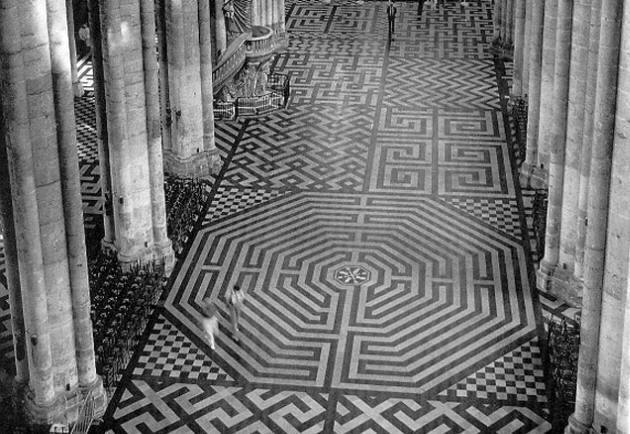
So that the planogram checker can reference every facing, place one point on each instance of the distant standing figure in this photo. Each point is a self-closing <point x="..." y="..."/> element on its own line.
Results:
<point x="209" y="320"/>
<point x="391" y="17"/>
<point x="84" y="35"/>
<point x="235" y="298"/>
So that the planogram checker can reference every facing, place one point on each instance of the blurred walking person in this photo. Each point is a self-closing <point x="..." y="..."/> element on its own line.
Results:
<point x="235" y="298"/>
<point x="209" y="320"/>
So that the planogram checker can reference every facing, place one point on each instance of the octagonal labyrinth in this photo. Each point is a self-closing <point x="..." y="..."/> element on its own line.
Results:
<point x="353" y="291"/>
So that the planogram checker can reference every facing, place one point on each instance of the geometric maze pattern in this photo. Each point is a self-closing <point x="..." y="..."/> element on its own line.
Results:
<point x="429" y="290"/>
<point x="375" y="226"/>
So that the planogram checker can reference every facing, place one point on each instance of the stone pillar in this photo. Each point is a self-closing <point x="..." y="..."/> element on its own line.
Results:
<point x="519" y="42"/>
<point x="72" y="204"/>
<point x="533" y="106"/>
<point x="587" y="137"/>
<point x="186" y="155"/>
<point x="498" y="21"/>
<point x="504" y="22"/>
<point x="567" y="286"/>
<point x="618" y="236"/>
<point x="38" y="117"/>
<point x="25" y="206"/>
<point x="12" y="270"/>
<point x="525" y="55"/>
<point x="77" y="89"/>
<point x="545" y="132"/>
<point x="162" y="244"/>
<point x="622" y="141"/>
<point x="94" y="13"/>
<point x="281" y="17"/>
<point x="207" y="94"/>
<point x="220" y="32"/>
<point x="127" y="134"/>
<point x="163" y="70"/>
<point x="509" y="24"/>
<point x="598" y="207"/>
<point x="558" y="124"/>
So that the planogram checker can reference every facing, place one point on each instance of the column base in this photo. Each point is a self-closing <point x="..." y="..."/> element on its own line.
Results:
<point x="64" y="409"/>
<point x="200" y="165"/>
<point x="77" y="89"/>
<point x="538" y="178"/>
<point x="560" y="283"/>
<point x="525" y="174"/>
<point x="141" y="257"/>
<point x="99" y="395"/>
<point x="165" y="257"/>
<point x="576" y="427"/>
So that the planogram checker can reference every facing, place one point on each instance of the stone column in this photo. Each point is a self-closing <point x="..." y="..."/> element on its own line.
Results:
<point x="12" y="270"/>
<point x="622" y="141"/>
<point x="545" y="133"/>
<point x="94" y="13"/>
<point x="77" y="89"/>
<point x="72" y="202"/>
<point x="162" y="244"/>
<point x="127" y="134"/>
<point x="519" y="42"/>
<point x="525" y="55"/>
<point x="207" y="95"/>
<point x="598" y="207"/>
<point x="557" y="144"/>
<point x="618" y="236"/>
<point x="25" y="207"/>
<point x="163" y="70"/>
<point x="220" y="31"/>
<point x="587" y="136"/>
<point x="186" y="155"/>
<point x="509" y="24"/>
<point x="567" y="286"/>
<point x="42" y="57"/>
<point x="504" y="23"/>
<point x="533" y="105"/>
<point x="498" y="21"/>
<point x="280" y="14"/>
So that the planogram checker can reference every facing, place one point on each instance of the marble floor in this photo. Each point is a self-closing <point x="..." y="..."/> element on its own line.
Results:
<point x="375" y="225"/>
<point x="378" y="228"/>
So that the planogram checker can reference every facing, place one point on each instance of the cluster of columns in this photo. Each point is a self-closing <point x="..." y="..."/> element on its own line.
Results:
<point x="41" y="210"/>
<point x="572" y="64"/>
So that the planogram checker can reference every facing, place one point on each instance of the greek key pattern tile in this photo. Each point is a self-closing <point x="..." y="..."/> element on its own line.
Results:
<point x="203" y="407"/>
<point x="444" y="83"/>
<point x="395" y="415"/>
<point x="321" y="147"/>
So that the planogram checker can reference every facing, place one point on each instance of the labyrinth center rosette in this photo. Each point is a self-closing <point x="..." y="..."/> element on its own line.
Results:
<point x="350" y="291"/>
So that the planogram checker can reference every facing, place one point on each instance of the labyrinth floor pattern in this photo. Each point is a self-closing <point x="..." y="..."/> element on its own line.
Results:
<point x="375" y="225"/>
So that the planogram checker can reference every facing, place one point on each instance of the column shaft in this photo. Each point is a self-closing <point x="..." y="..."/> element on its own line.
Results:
<point x="519" y="42"/>
<point x="25" y="209"/>
<point x="219" y="27"/>
<point x="525" y="53"/>
<point x="598" y="202"/>
<point x="207" y="95"/>
<point x="533" y="106"/>
<point x="545" y="132"/>
<point x="76" y="85"/>
<point x="12" y="270"/>
<point x="557" y="142"/>
<point x="587" y="136"/>
<point x="509" y="23"/>
<point x="622" y="142"/>
<point x="154" y="138"/>
<point x="102" y="135"/>
<point x="575" y="123"/>
<point x="163" y="70"/>
<point x="71" y="193"/>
